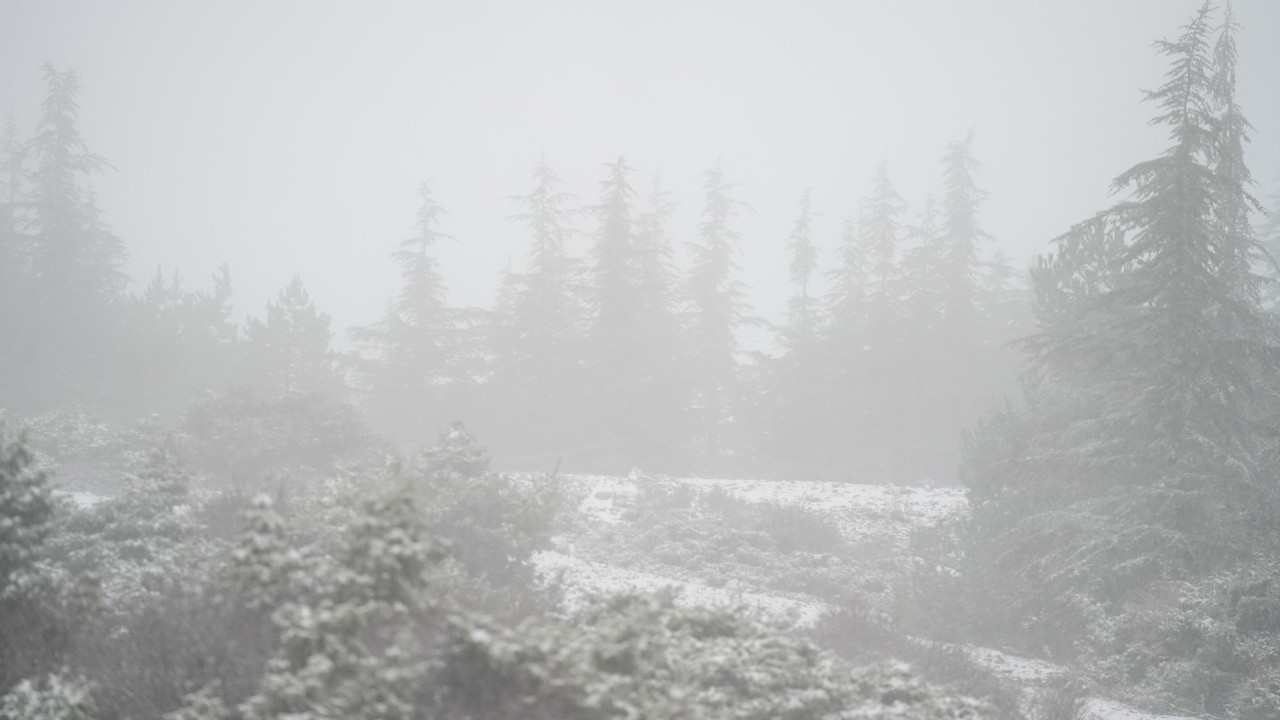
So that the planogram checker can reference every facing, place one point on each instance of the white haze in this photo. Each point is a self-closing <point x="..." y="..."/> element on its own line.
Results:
<point x="290" y="137"/>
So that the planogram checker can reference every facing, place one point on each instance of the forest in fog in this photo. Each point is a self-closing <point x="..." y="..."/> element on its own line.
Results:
<point x="926" y="479"/>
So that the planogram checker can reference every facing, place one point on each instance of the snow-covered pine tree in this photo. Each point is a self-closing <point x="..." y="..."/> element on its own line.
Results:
<point x="1178" y="351"/>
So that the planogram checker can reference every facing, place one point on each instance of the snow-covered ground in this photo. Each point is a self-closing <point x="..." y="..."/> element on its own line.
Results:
<point x="580" y="577"/>
<point x="861" y="511"/>
<point x="1098" y="709"/>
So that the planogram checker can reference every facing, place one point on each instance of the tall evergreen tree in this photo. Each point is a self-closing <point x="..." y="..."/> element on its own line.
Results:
<point x="181" y="343"/>
<point x="1235" y="207"/>
<point x="655" y="274"/>
<point x="537" y="325"/>
<point x="76" y="262"/>
<point x="961" y="235"/>
<point x="13" y="257"/>
<point x="1152" y="343"/>
<point x="880" y="229"/>
<point x="288" y="352"/>
<point x="418" y="376"/>
<point x="846" y="303"/>
<point x="717" y="308"/>
<point x="615" y="296"/>
<point x="802" y="320"/>
<point x="922" y="269"/>
<point x="545" y="309"/>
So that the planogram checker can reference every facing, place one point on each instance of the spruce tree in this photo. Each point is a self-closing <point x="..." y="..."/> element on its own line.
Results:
<point x="545" y="309"/>
<point x="880" y="235"/>
<point x="802" y="320"/>
<point x="288" y="352"/>
<point x="416" y="374"/>
<point x="960" y="234"/>
<point x="1178" y="351"/>
<point x="76" y="262"/>
<point x="615" y="297"/>
<point x="716" y="310"/>
<point x="846" y="303"/>
<point x="535" y="336"/>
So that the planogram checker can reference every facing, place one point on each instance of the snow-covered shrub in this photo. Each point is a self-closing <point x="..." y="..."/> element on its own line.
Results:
<point x="864" y="637"/>
<point x="25" y="513"/>
<point x="353" y="644"/>
<point x="643" y="656"/>
<point x="494" y="522"/>
<point x="203" y="704"/>
<point x="55" y="697"/>
<point x="242" y="439"/>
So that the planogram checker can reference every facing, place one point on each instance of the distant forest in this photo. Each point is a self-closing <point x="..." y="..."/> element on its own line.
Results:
<point x="604" y="362"/>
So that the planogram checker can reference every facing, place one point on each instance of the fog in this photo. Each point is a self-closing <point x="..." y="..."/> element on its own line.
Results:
<point x="578" y="360"/>
<point x="290" y="137"/>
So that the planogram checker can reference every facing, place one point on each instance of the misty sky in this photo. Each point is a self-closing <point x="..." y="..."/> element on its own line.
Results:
<point x="290" y="137"/>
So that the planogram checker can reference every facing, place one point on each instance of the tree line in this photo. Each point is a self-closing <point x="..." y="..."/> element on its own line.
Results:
<point x="617" y="358"/>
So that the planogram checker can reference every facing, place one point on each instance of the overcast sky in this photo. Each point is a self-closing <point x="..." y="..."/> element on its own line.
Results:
<point x="290" y="137"/>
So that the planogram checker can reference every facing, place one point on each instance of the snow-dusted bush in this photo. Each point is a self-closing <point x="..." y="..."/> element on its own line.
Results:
<point x="643" y="656"/>
<point x="55" y="697"/>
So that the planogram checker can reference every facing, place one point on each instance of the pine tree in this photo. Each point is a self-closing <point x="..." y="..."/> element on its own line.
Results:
<point x="846" y="304"/>
<point x="922" y="270"/>
<point x="655" y="274"/>
<point x="961" y="235"/>
<point x="802" y="320"/>
<point x="14" y="269"/>
<point x="615" y="296"/>
<point x="1154" y="361"/>
<point x="544" y="309"/>
<point x="657" y="390"/>
<point x="76" y="262"/>
<point x="1233" y="211"/>
<point x="880" y="234"/>
<point x="418" y="375"/>
<point x="716" y="307"/>
<point x="288" y="352"/>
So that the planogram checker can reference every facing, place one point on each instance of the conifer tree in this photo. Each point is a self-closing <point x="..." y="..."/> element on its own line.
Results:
<point x="288" y="352"/>
<point x="717" y="308"/>
<point x="615" y="296"/>
<point x="655" y="272"/>
<point x="537" y="324"/>
<point x="14" y="270"/>
<point x="960" y="234"/>
<point x="846" y="304"/>
<point x="1181" y="341"/>
<point x="802" y="320"/>
<point x="544" y="308"/>
<point x="922" y="269"/>
<point x="880" y="230"/>
<point x="417" y="376"/>
<point x="76" y="262"/>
